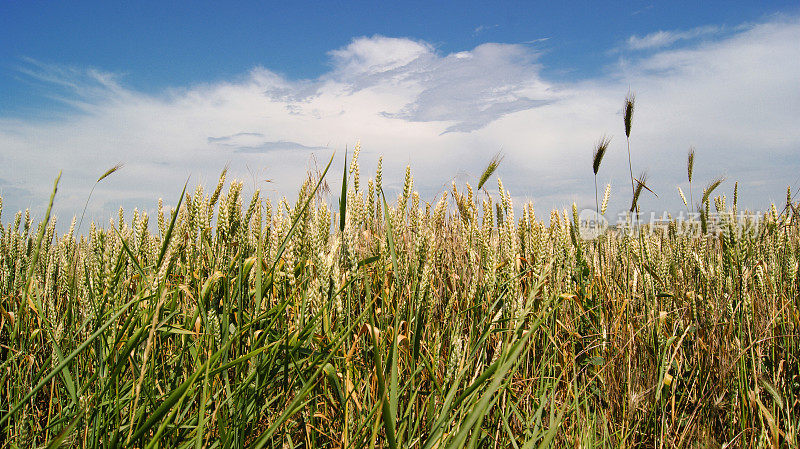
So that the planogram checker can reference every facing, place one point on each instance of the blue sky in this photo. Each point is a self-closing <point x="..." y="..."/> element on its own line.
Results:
<point x="177" y="89"/>
<point x="158" y="44"/>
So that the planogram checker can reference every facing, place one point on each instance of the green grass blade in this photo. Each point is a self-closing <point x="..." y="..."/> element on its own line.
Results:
<point x="67" y="360"/>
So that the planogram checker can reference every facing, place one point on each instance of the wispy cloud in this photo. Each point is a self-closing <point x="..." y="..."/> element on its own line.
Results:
<point x="536" y="41"/>
<point x="642" y="10"/>
<point x="234" y="137"/>
<point x="252" y="142"/>
<point x="482" y="28"/>
<point x="661" y="39"/>
<point x="733" y="96"/>
<point x="280" y="145"/>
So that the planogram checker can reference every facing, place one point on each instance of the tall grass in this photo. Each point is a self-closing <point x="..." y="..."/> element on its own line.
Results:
<point x="396" y="324"/>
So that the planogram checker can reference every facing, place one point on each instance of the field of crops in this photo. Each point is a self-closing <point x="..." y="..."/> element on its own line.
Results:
<point x="393" y="322"/>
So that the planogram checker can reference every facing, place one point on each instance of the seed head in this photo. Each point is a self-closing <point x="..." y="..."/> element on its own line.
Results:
<point x="711" y="186"/>
<point x="606" y="195"/>
<point x="110" y="171"/>
<point x="685" y="203"/>
<point x="490" y="169"/>
<point x="599" y="152"/>
<point x="640" y="184"/>
<point x="630" y="99"/>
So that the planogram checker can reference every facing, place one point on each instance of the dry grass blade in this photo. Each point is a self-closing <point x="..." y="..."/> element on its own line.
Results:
<point x="642" y="180"/>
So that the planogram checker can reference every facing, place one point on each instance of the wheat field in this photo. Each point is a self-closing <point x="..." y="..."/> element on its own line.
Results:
<point x="462" y="322"/>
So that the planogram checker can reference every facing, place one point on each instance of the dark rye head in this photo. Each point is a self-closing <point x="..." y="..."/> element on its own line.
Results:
<point x="599" y="152"/>
<point x="630" y="99"/>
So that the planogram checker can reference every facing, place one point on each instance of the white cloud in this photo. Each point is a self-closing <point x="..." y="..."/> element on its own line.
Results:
<point x="734" y="98"/>
<point x="475" y="88"/>
<point x="377" y="55"/>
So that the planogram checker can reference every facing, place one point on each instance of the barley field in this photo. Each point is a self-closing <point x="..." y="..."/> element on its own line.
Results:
<point x="234" y="322"/>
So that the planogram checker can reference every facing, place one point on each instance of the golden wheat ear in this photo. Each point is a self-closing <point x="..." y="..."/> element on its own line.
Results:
<point x="606" y="196"/>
